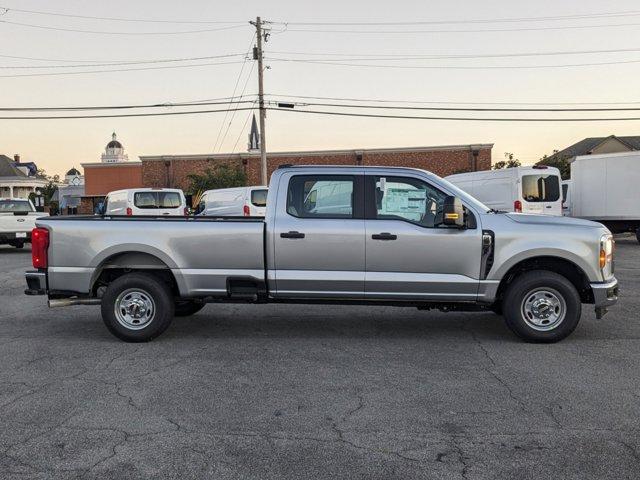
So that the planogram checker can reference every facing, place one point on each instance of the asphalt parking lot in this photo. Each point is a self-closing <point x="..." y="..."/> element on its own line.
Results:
<point x="266" y="392"/>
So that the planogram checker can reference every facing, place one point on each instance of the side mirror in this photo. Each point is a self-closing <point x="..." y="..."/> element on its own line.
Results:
<point x="453" y="212"/>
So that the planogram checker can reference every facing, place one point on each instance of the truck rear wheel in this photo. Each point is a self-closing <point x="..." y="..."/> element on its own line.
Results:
<point x="638" y="234"/>
<point x="185" y="308"/>
<point x="137" y="307"/>
<point x="542" y="306"/>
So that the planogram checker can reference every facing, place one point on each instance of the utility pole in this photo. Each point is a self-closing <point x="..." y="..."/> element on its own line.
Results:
<point x="257" y="55"/>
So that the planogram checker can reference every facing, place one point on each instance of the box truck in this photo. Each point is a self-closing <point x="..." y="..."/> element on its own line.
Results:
<point x="606" y="188"/>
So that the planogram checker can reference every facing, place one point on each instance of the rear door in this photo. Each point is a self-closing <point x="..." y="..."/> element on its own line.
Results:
<point x="158" y="203"/>
<point x="257" y="201"/>
<point x="540" y="192"/>
<point x="318" y="236"/>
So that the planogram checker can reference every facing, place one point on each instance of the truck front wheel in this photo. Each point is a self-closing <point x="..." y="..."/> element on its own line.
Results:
<point x="137" y="307"/>
<point x="541" y="306"/>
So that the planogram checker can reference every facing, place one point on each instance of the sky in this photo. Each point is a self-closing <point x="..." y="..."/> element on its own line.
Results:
<point x="57" y="145"/>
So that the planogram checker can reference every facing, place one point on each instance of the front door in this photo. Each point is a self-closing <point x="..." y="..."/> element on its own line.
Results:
<point x="410" y="254"/>
<point x="319" y="239"/>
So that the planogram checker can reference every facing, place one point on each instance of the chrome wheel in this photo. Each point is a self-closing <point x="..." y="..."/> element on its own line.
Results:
<point x="543" y="309"/>
<point x="134" y="309"/>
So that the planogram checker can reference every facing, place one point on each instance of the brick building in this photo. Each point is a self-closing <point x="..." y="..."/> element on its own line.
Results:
<point x="171" y="171"/>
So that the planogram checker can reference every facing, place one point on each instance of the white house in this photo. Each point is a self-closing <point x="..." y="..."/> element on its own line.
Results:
<point x="17" y="181"/>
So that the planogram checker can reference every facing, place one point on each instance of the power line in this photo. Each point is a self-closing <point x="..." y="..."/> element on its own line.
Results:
<point x="128" y="107"/>
<point x="244" y="125"/>
<point x="233" y="115"/>
<point x="103" y="32"/>
<point x="119" y="115"/>
<point x="332" y="113"/>
<point x="235" y="87"/>
<point x="116" y="19"/>
<point x="454" y="67"/>
<point x="472" y="119"/>
<point x="50" y="74"/>
<point x="417" y="56"/>
<point x="121" y="63"/>
<point x="351" y="99"/>
<point x="480" y="20"/>
<point x="465" y="30"/>
<point x="458" y="109"/>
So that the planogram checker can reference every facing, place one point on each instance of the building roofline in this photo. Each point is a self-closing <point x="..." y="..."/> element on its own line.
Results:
<point x="114" y="164"/>
<point x="311" y="153"/>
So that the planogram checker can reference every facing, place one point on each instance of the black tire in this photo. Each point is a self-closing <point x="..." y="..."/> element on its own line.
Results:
<point x="19" y="245"/>
<point x="185" y="308"/>
<point x="554" y="294"/>
<point x="638" y="235"/>
<point x="138" y="291"/>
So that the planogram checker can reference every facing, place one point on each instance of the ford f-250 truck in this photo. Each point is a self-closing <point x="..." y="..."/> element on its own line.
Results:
<point x="17" y="219"/>
<point x="359" y="235"/>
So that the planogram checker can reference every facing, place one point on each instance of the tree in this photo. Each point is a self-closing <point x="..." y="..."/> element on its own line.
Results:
<point x="224" y="176"/>
<point x="561" y="162"/>
<point x="510" y="162"/>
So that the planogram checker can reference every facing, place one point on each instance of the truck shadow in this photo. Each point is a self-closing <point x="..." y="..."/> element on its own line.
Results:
<point x="340" y="324"/>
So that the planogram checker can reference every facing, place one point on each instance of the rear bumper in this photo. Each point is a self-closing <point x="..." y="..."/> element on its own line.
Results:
<point x="12" y="237"/>
<point x="604" y="295"/>
<point x="36" y="282"/>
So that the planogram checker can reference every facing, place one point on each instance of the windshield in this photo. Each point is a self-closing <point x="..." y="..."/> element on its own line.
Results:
<point x="9" y="206"/>
<point x="157" y="199"/>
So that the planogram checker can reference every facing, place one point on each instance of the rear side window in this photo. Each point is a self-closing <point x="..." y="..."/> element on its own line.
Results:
<point x="156" y="199"/>
<point x="259" y="198"/>
<point x="540" y="188"/>
<point x="8" y="206"/>
<point x="321" y="196"/>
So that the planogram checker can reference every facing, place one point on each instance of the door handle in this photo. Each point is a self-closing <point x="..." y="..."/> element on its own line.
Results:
<point x="292" y="234"/>
<point x="384" y="236"/>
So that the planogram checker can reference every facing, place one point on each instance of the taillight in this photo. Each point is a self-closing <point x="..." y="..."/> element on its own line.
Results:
<point x="246" y="210"/>
<point x="39" y="246"/>
<point x="129" y="211"/>
<point x="517" y="206"/>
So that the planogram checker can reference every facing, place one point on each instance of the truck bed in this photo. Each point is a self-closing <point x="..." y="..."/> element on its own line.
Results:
<point x="203" y="253"/>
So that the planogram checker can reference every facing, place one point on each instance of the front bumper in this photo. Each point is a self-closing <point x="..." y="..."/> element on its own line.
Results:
<point x="604" y="295"/>
<point x="36" y="282"/>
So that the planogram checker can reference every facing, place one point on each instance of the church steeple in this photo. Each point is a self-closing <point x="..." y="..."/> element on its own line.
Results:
<point x="254" y="136"/>
<point x="114" y="151"/>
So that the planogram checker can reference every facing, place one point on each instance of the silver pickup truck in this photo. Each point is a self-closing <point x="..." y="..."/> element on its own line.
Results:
<point x="358" y="235"/>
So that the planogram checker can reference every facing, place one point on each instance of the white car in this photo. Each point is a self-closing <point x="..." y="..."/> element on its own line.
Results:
<point x="17" y="219"/>
<point x="519" y="189"/>
<point x="238" y="201"/>
<point x="145" y="201"/>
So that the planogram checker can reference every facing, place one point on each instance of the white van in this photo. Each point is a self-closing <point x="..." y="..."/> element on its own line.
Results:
<point x="234" y="202"/>
<point x="519" y="189"/>
<point x="145" y="201"/>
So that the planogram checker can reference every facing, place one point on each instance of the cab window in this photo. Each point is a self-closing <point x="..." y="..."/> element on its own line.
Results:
<point x="409" y="199"/>
<point x="321" y="196"/>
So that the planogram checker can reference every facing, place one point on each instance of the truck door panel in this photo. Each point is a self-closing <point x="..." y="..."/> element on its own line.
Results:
<point x="319" y="237"/>
<point x="409" y="253"/>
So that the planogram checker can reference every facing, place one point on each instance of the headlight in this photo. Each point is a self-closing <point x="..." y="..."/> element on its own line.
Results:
<point x="606" y="255"/>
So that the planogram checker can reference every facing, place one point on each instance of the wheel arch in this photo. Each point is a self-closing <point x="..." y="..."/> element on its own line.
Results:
<point x="114" y="264"/>
<point x="561" y="266"/>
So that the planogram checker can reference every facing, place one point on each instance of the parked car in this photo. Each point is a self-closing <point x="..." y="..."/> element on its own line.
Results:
<point x="145" y="201"/>
<point x="606" y="188"/>
<point x="519" y="189"/>
<point x="17" y="220"/>
<point x="369" y="235"/>
<point x="239" y="201"/>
